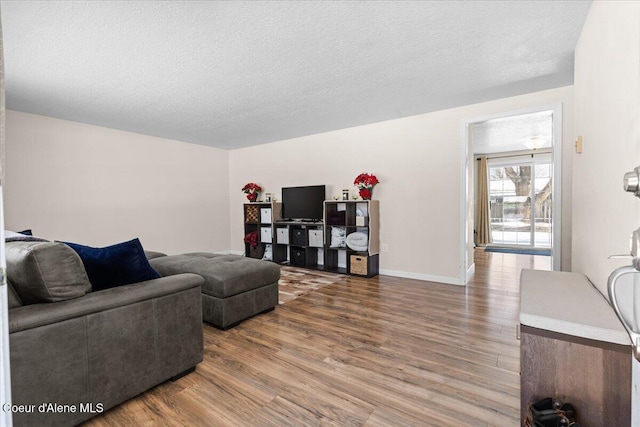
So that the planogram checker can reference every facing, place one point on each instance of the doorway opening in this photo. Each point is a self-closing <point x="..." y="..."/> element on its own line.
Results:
<point x="521" y="202"/>
<point x="511" y="185"/>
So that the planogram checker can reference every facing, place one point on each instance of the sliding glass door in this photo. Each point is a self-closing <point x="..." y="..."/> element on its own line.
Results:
<point x="521" y="203"/>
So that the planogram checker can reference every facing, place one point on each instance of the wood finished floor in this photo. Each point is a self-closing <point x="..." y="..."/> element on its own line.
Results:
<point x="360" y="352"/>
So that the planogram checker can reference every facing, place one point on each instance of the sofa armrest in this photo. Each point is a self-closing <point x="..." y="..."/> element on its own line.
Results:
<point x="36" y="315"/>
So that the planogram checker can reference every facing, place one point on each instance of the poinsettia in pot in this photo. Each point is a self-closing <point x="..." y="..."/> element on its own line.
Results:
<point x="252" y="239"/>
<point x="365" y="182"/>
<point x="252" y="190"/>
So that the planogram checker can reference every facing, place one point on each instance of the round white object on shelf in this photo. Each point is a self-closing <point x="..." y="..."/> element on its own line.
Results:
<point x="358" y="241"/>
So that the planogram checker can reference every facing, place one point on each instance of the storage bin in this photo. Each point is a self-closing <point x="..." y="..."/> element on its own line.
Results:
<point x="316" y="238"/>
<point x="359" y="265"/>
<point x="265" y="234"/>
<point x="282" y="236"/>
<point x="251" y="214"/>
<point x="297" y="237"/>
<point x="265" y="215"/>
<point x="297" y="257"/>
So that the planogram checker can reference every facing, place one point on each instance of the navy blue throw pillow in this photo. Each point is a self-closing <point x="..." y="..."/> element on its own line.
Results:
<point x="26" y="232"/>
<point x="116" y="265"/>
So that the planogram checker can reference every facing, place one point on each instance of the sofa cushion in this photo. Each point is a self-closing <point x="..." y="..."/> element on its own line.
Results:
<point x="153" y="254"/>
<point x="12" y="236"/>
<point x="14" y="299"/>
<point x="45" y="272"/>
<point x="116" y="265"/>
<point x="35" y="316"/>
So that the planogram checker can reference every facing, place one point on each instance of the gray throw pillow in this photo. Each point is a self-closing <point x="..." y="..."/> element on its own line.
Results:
<point x="45" y="272"/>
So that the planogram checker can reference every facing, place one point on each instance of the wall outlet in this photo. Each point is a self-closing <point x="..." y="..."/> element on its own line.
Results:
<point x="385" y="247"/>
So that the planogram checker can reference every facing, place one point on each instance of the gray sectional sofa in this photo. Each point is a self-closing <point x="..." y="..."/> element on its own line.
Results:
<point x="93" y="350"/>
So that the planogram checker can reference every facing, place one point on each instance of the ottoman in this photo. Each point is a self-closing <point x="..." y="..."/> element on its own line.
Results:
<point x="235" y="287"/>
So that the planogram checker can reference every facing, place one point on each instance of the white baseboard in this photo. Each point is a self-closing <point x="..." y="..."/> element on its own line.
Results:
<point x="471" y="271"/>
<point x="394" y="273"/>
<point x="420" y="276"/>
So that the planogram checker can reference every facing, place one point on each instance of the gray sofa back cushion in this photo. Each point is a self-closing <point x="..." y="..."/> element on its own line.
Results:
<point x="153" y="254"/>
<point x="14" y="299"/>
<point x="45" y="272"/>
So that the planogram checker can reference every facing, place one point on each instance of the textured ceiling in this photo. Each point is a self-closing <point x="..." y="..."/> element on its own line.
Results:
<point x="512" y="133"/>
<point x="234" y="74"/>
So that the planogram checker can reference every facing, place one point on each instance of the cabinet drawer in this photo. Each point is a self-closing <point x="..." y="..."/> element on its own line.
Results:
<point x="265" y="234"/>
<point x="282" y="236"/>
<point x="297" y="257"/>
<point x="297" y="237"/>
<point x="265" y="215"/>
<point x="315" y="238"/>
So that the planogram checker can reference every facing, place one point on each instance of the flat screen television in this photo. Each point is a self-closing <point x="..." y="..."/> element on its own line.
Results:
<point x="303" y="203"/>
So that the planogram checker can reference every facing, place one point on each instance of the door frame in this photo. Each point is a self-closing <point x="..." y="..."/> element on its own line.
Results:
<point x="5" y="371"/>
<point x="466" y="265"/>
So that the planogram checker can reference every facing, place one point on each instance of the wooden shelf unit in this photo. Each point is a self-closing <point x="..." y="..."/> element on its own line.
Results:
<point x="359" y="216"/>
<point x="308" y="244"/>
<point x="260" y="217"/>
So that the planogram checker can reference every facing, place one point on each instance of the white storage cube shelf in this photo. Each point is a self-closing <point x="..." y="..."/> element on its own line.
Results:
<point x="265" y="234"/>
<point x="265" y="215"/>
<point x="282" y="236"/>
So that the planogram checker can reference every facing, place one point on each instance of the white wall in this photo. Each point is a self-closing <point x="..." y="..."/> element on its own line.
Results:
<point x="607" y="115"/>
<point x="99" y="186"/>
<point x="417" y="160"/>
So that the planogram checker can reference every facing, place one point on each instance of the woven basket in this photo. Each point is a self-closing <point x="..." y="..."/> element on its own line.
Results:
<point x="359" y="265"/>
<point x="251" y="214"/>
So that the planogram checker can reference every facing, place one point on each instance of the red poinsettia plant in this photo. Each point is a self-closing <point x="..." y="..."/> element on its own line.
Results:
<point x="365" y="182"/>
<point x="252" y="190"/>
<point x="252" y="239"/>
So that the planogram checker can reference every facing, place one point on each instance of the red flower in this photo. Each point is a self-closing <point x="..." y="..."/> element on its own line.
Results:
<point x="366" y="180"/>
<point x="252" y="188"/>
<point x="252" y="239"/>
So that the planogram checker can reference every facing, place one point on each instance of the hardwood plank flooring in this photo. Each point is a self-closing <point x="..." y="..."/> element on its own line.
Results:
<point x="383" y="351"/>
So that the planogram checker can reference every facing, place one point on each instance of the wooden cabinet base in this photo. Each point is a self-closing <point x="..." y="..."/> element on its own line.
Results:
<point x="593" y="376"/>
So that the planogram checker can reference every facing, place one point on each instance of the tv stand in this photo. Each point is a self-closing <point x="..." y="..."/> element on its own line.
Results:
<point x="307" y="243"/>
<point x="294" y="242"/>
<point x="299" y="222"/>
